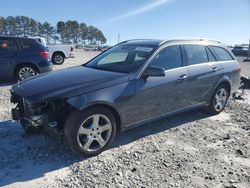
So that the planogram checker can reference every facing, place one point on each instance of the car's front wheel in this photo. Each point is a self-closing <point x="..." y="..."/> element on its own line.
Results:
<point x="219" y="99"/>
<point x="90" y="132"/>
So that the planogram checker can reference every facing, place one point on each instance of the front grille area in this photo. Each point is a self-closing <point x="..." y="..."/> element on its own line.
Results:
<point x="26" y="109"/>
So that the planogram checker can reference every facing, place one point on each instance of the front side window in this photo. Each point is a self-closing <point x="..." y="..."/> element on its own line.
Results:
<point x="123" y="58"/>
<point x="221" y="53"/>
<point x="168" y="58"/>
<point x="196" y="54"/>
<point x="5" y="45"/>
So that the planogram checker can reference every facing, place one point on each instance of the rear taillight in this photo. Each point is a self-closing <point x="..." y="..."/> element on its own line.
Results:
<point x="44" y="54"/>
<point x="71" y="49"/>
<point x="238" y="69"/>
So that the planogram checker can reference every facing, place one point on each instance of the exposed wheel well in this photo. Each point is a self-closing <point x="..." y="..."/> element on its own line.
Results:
<point x="26" y="64"/>
<point x="112" y="110"/>
<point x="227" y="85"/>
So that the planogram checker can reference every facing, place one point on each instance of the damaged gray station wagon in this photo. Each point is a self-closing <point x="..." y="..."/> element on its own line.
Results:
<point x="134" y="82"/>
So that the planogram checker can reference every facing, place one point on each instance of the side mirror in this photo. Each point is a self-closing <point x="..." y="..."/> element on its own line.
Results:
<point x="153" y="72"/>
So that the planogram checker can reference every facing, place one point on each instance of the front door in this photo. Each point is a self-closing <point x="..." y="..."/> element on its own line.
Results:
<point x="160" y="95"/>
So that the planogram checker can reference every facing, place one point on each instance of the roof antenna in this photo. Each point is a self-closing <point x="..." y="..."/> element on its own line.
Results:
<point x="118" y="39"/>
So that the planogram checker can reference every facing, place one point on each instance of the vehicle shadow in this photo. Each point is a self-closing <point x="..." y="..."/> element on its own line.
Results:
<point x="159" y="126"/>
<point x="4" y="83"/>
<point x="27" y="158"/>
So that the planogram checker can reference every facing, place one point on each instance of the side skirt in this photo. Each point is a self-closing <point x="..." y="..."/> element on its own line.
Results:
<point x="133" y="125"/>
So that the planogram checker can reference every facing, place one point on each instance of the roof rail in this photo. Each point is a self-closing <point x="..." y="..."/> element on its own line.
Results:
<point x="133" y="40"/>
<point x="189" y="39"/>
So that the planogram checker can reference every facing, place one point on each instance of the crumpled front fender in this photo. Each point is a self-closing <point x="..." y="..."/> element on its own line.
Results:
<point x="77" y="102"/>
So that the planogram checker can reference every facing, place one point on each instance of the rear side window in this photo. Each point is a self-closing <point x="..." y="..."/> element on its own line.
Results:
<point x="27" y="44"/>
<point x="168" y="58"/>
<point x="15" y="45"/>
<point x="196" y="54"/>
<point x="221" y="53"/>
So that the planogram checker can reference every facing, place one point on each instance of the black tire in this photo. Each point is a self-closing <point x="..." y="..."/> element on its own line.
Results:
<point x="212" y="106"/>
<point x="58" y="58"/>
<point x="73" y="124"/>
<point x="22" y="68"/>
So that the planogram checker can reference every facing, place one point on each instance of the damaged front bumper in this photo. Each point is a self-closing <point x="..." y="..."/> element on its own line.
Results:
<point x="48" y="114"/>
<point x="19" y="111"/>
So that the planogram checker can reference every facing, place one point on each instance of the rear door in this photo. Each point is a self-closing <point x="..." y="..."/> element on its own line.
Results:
<point x="204" y="72"/>
<point x="29" y="51"/>
<point x="6" y="57"/>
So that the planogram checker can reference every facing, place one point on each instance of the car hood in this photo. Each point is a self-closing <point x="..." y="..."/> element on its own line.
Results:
<point x="67" y="83"/>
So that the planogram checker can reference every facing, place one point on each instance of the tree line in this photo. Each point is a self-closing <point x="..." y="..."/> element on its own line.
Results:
<point x="66" y="31"/>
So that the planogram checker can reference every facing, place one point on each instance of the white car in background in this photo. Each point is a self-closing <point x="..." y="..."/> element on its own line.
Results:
<point x="91" y="48"/>
<point x="57" y="52"/>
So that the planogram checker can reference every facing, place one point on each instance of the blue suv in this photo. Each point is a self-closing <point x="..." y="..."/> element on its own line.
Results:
<point x="21" y="58"/>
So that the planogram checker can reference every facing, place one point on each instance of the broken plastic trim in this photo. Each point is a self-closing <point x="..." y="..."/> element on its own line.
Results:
<point x="245" y="84"/>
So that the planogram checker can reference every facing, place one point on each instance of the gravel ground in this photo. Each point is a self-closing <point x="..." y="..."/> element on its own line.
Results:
<point x="187" y="150"/>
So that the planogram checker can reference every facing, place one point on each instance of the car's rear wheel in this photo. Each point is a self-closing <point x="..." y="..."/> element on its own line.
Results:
<point x="25" y="72"/>
<point x="90" y="132"/>
<point x="219" y="99"/>
<point x="58" y="58"/>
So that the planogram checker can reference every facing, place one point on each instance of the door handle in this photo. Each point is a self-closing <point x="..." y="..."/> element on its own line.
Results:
<point x="214" y="69"/>
<point x="182" y="77"/>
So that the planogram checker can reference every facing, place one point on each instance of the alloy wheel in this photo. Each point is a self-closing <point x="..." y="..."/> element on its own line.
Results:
<point x="26" y="72"/>
<point x="94" y="132"/>
<point x="220" y="99"/>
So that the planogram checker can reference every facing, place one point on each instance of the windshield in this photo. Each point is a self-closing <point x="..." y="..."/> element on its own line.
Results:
<point x="123" y="58"/>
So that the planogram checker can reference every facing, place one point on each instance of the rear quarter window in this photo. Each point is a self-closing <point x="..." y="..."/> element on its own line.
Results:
<point x="221" y="53"/>
<point x="28" y="44"/>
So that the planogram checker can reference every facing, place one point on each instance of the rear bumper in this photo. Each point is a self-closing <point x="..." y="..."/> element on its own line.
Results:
<point x="235" y="84"/>
<point x="72" y="54"/>
<point x="46" y="69"/>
